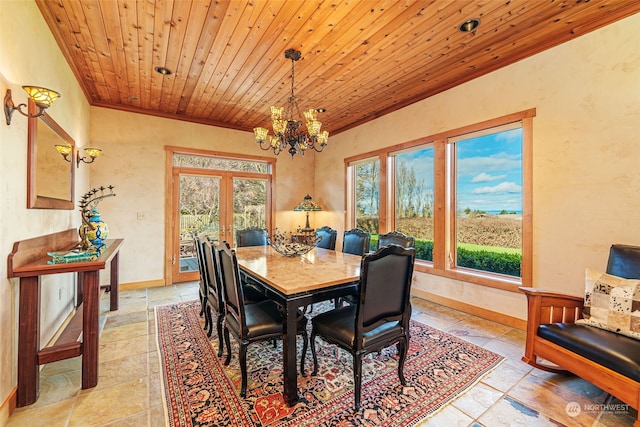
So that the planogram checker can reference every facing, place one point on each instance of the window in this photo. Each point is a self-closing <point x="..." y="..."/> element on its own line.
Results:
<point x="413" y="192"/>
<point x="464" y="195"/>
<point x="367" y="196"/>
<point x="487" y="207"/>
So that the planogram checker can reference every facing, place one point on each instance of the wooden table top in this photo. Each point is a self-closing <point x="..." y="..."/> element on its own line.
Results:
<point x="317" y="269"/>
<point x="38" y="265"/>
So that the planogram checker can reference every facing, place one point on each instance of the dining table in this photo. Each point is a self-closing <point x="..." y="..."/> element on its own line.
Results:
<point x="297" y="281"/>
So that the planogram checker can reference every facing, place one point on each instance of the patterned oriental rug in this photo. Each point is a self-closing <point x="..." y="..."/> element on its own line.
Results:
<point x="200" y="391"/>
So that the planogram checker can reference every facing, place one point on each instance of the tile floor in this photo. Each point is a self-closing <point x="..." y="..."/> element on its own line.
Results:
<point x="129" y="393"/>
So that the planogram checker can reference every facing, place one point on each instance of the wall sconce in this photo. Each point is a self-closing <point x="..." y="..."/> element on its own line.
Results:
<point x="65" y="151"/>
<point x="42" y="97"/>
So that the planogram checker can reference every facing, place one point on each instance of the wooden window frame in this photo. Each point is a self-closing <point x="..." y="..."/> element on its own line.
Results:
<point x="442" y="212"/>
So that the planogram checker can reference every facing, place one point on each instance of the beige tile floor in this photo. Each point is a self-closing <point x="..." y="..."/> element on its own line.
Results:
<point x="129" y="393"/>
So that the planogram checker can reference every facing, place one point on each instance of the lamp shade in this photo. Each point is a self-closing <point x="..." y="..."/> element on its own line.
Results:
<point x="42" y="96"/>
<point x="307" y="204"/>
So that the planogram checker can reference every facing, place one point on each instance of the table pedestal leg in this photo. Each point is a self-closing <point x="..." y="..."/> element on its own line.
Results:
<point x="289" y="355"/>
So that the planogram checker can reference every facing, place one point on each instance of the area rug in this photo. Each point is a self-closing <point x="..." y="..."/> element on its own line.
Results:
<point x="200" y="391"/>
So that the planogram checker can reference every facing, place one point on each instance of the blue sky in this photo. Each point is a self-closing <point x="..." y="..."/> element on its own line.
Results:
<point x="489" y="171"/>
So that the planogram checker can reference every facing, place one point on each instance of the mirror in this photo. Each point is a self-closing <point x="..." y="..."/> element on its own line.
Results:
<point x="50" y="178"/>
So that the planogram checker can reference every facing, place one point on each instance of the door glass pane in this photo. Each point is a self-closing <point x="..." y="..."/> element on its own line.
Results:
<point x="249" y="203"/>
<point x="199" y="213"/>
<point x="489" y="202"/>
<point x="414" y="198"/>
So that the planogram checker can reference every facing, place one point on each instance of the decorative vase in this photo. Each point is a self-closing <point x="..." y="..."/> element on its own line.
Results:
<point x="97" y="230"/>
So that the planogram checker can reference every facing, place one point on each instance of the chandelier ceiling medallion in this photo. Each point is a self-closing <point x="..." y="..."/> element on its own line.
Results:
<point x="289" y="134"/>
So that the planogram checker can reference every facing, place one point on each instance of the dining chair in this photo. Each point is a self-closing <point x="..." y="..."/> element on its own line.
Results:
<point x="249" y="323"/>
<point x="356" y="242"/>
<point x="396" y="238"/>
<point x="215" y="299"/>
<point x="203" y="285"/>
<point x="328" y="237"/>
<point x="379" y="319"/>
<point x="252" y="237"/>
<point x="215" y="294"/>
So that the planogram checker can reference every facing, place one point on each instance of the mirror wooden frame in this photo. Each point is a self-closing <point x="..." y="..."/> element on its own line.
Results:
<point x="35" y="200"/>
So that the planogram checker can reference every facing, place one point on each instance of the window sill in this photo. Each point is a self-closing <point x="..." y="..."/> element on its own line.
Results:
<point x="496" y="281"/>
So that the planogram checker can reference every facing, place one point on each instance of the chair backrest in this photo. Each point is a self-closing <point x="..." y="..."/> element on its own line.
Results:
<point x="213" y="276"/>
<point x="355" y="242"/>
<point x="385" y="284"/>
<point x="233" y="294"/>
<point x="199" y="244"/>
<point x="396" y="238"/>
<point x="624" y="261"/>
<point x="252" y="237"/>
<point x="328" y="237"/>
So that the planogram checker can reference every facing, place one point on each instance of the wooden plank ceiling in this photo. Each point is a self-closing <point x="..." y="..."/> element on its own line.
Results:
<point x="360" y="58"/>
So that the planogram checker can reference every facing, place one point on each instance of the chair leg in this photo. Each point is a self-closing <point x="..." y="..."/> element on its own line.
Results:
<point x="243" y="368"/>
<point x="357" y="378"/>
<point x="208" y="320"/>
<point x="220" y="336"/>
<point x="313" y="354"/>
<point x="228" y="341"/>
<point x="305" y="345"/>
<point x="402" y="352"/>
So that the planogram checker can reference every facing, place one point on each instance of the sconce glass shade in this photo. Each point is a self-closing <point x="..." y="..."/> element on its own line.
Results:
<point x="42" y="96"/>
<point x="65" y="150"/>
<point x="93" y="152"/>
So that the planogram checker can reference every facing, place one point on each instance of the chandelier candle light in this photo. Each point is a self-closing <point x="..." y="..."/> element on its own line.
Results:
<point x="288" y="132"/>
<point x="307" y="204"/>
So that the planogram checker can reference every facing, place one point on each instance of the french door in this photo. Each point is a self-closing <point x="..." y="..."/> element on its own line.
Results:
<point x="213" y="203"/>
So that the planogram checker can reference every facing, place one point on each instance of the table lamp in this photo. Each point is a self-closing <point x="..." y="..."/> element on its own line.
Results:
<point x="307" y="204"/>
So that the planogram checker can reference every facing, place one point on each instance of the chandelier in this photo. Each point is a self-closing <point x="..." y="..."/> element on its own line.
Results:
<point x="289" y="133"/>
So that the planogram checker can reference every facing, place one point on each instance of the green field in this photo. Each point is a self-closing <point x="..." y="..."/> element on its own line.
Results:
<point x="496" y="249"/>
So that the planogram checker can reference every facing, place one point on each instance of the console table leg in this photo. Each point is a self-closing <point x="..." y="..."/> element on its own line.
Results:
<point x="115" y="284"/>
<point x="91" y="292"/>
<point x="28" y="341"/>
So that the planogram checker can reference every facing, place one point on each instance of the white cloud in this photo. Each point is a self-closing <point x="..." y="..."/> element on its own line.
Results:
<point x="503" y="187"/>
<point x="485" y="177"/>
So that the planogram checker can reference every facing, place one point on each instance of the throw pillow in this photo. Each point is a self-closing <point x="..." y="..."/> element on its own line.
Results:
<point x="612" y="303"/>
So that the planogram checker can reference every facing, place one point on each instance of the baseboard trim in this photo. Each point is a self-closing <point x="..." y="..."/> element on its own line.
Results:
<point x="8" y="406"/>
<point x="139" y="285"/>
<point x="494" y="316"/>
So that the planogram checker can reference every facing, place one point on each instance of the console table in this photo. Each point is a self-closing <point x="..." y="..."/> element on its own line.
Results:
<point x="28" y="261"/>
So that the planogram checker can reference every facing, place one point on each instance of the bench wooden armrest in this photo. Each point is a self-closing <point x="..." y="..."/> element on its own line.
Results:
<point x="544" y="307"/>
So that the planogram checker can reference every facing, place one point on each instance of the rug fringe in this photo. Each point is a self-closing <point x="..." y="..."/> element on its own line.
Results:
<point x="162" y="369"/>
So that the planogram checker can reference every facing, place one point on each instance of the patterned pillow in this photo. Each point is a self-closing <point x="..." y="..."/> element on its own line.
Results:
<point x="612" y="303"/>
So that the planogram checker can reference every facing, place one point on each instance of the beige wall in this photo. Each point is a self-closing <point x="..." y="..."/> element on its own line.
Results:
<point x="586" y="183"/>
<point x="30" y="55"/>
<point x="134" y="162"/>
<point x="586" y="151"/>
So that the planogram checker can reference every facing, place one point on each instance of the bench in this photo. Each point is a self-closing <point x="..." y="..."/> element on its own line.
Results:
<point x="556" y="343"/>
